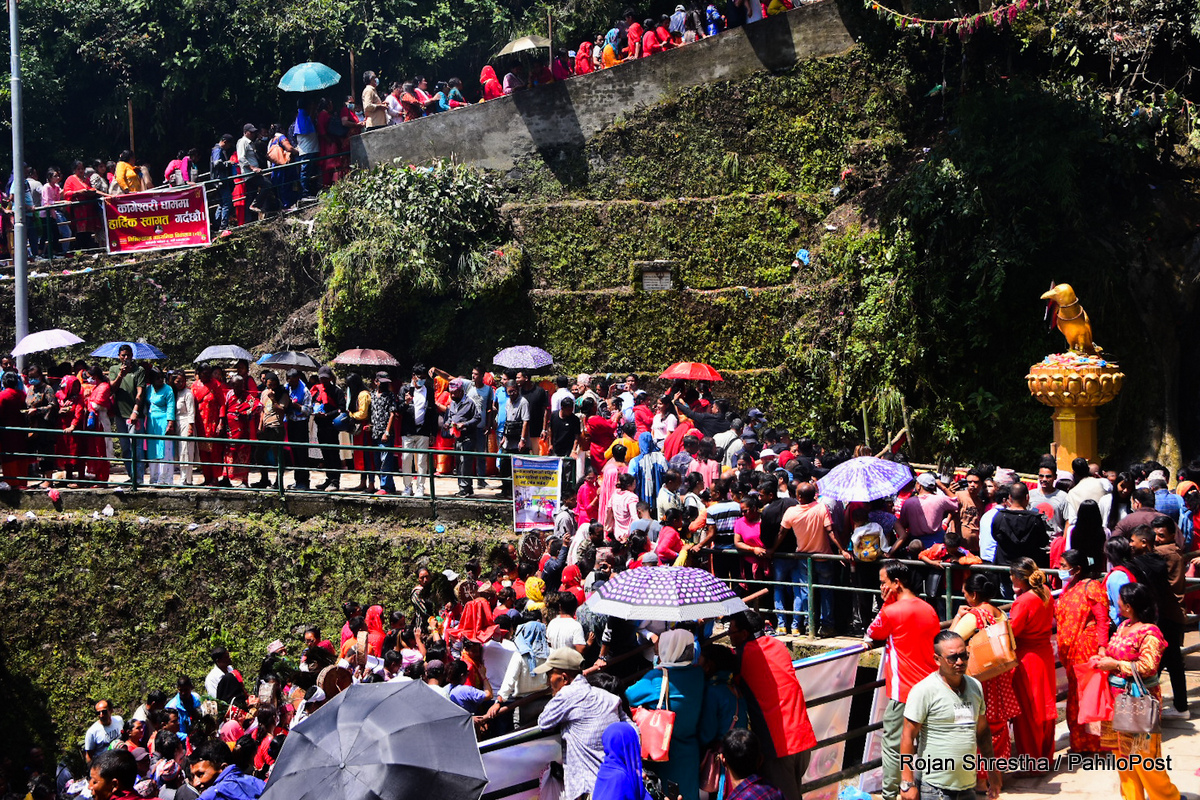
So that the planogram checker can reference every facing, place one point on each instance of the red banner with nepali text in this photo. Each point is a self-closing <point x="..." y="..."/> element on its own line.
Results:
<point x="157" y="220"/>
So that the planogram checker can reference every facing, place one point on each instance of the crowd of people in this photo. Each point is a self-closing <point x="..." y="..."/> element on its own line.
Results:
<point x="269" y="169"/>
<point x="1095" y="556"/>
<point x="273" y="166"/>
<point x="628" y="39"/>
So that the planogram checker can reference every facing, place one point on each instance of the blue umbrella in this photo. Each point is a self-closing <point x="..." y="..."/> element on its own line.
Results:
<point x="863" y="479"/>
<point x="310" y="76"/>
<point x="523" y="357"/>
<point x="264" y="358"/>
<point x="141" y="350"/>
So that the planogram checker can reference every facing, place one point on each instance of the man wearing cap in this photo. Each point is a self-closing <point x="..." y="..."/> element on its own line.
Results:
<point x="678" y="21"/>
<point x="462" y="425"/>
<point x="580" y="712"/>
<point x="248" y="163"/>
<point x="923" y="514"/>
<point x="385" y="421"/>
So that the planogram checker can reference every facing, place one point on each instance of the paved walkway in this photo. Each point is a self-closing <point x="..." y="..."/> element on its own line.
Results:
<point x="1181" y="742"/>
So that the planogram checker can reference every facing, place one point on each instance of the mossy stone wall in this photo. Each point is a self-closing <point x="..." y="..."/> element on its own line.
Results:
<point x="115" y="607"/>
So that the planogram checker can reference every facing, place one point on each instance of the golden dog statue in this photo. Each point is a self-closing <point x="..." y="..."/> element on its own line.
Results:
<point x="1072" y="320"/>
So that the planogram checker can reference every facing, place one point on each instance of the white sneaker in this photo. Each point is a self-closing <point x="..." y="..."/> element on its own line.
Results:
<point x="1170" y="712"/>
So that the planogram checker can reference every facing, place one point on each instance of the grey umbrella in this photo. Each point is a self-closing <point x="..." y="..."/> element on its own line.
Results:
<point x="291" y="358"/>
<point x="224" y="352"/>
<point x="381" y="741"/>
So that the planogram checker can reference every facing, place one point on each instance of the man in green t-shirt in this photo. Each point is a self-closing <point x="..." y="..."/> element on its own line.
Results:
<point x="946" y="714"/>
<point x="129" y="383"/>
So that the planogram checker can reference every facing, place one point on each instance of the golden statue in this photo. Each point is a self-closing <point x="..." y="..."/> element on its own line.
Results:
<point x="1074" y="383"/>
<point x="1071" y="319"/>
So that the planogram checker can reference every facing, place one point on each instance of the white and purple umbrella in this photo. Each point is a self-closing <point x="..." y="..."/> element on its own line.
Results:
<point x="523" y="357"/>
<point x="38" y="342"/>
<point x="670" y="594"/>
<point x="863" y="479"/>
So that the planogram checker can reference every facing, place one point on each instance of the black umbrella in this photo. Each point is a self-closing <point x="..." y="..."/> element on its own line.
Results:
<point x="289" y="358"/>
<point x="381" y="741"/>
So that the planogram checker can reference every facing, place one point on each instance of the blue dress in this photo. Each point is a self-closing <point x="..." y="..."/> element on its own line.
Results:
<point x="724" y="709"/>
<point x="686" y="697"/>
<point x="161" y="412"/>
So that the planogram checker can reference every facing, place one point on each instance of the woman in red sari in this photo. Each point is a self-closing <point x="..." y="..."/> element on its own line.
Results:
<point x="998" y="694"/>
<point x="210" y="412"/>
<point x="85" y="214"/>
<point x="1032" y="619"/>
<point x="490" y="83"/>
<point x="240" y="422"/>
<point x="1082" y="615"/>
<point x="100" y="402"/>
<point x="443" y="465"/>
<point x="72" y="415"/>
<point x="1136" y="644"/>
<point x="583" y="59"/>
<point x="375" y="632"/>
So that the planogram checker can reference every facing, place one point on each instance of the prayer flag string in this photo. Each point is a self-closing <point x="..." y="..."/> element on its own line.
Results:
<point x="960" y="25"/>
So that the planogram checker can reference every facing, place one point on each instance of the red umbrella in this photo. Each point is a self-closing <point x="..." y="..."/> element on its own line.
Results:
<point x="367" y="358"/>
<point x="692" y="371"/>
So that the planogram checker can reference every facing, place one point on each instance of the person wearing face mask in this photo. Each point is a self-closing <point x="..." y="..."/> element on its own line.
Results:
<point x="374" y="108"/>
<point x="41" y="411"/>
<point x="908" y="624"/>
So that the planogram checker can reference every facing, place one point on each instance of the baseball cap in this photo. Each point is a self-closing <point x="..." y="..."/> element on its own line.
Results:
<point x="927" y="480"/>
<point x="650" y="558"/>
<point x="768" y="453"/>
<point x="564" y="658"/>
<point x="679" y="8"/>
<point x="325" y="372"/>
<point x="139" y="754"/>
<point x="249" y="128"/>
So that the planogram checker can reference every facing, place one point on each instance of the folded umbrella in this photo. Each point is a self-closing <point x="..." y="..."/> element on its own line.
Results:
<point x="291" y="358"/>
<point x="863" y="479"/>
<point x="45" y="340"/>
<point x="692" y="371"/>
<point x="671" y="594"/>
<point x="224" y="352"/>
<point x="141" y="350"/>
<point x="367" y="358"/>
<point x="381" y="741"/>
<point x="523" y="357"/>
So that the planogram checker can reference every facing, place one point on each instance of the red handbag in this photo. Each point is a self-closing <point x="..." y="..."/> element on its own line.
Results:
<point x="656" y="725"/>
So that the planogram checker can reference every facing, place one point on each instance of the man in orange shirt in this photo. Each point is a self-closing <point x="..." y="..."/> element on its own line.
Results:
<point x="810" y="525"/>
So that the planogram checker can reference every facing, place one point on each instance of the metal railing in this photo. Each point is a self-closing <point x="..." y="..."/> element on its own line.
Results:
<point x="947" y="599"/>
<point x="45" y="224"/>
<point x="264" y="456"/>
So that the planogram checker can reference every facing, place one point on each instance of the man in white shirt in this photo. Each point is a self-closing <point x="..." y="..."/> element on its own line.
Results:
<point x="564" y="630"/>
<point x="221" y="664"/>
<point x="563" y="392"/>
<point x="248" y="163"/>
<point x="498" y="651"/>
<point x="103" y="732"/>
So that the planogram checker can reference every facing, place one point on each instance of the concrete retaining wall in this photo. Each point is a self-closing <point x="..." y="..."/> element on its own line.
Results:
<point x="563" y="115"/>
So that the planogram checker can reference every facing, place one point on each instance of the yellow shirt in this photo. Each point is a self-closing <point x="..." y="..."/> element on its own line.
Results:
<point x="632" y="450"/>
<point x="128" y="177"/>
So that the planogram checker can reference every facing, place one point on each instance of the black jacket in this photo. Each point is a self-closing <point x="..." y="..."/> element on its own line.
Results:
<point x="1021" y="534"/>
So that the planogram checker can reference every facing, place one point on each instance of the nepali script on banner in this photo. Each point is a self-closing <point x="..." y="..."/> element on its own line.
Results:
<point x="158" y="220"/>
<point x="536" y="484"/>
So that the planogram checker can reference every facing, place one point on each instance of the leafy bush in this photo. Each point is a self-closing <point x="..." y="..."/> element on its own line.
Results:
<point x="393" y="239"/>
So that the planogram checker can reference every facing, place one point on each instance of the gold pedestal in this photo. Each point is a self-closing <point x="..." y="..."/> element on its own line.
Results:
<point x="1074" y="385"/>
<point x="1075" y="434"/>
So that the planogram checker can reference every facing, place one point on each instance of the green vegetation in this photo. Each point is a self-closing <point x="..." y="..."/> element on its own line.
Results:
<point x="398" y="244"/>
<point x="113" y="608"/>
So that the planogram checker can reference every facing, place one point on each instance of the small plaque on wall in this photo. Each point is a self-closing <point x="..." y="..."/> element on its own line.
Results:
<point x="657" y="276"/>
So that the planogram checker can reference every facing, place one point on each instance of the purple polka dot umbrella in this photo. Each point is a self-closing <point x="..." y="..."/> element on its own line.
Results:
<point x="865" y="478"/>
<point x="671" y="594"/>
